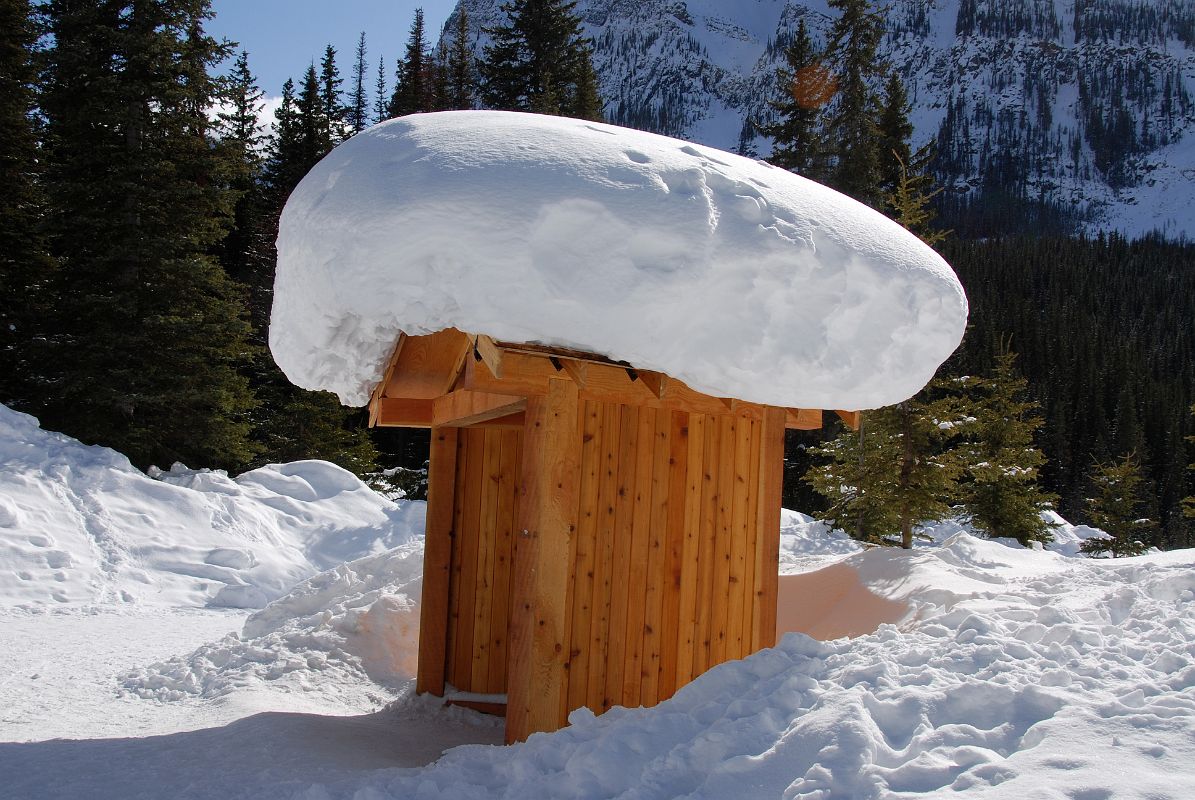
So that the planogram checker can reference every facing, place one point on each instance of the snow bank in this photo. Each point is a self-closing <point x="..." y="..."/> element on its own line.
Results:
<point x="347" y="634"/>
<point x="1018" y="673"/>
<point x="739" y="278"/>
<point x="80" y="524"/>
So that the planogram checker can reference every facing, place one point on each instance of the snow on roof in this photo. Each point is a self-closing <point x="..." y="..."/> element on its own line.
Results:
<point x="739" y="278"/>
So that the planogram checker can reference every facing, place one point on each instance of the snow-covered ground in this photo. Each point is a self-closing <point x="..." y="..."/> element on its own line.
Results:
<point x="975" y="668"/>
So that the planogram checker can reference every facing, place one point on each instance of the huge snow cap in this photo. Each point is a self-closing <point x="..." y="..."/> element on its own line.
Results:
<point x="739" y="278"/>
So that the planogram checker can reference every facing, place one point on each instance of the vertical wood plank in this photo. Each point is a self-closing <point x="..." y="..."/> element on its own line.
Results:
<point x="707" y="552"/>
<point x="671" y="623"/>
<point x="583" y="593"/>
<point x="752" y="536"/>
<point x="690" y="563"/>
<point x="623" y="522"/>
<point x="437" y="563"/>
<point x="469" y="543"/>
<point x="657" y="553"/>
<point x="486" y="546"/>
<point x="548" y="522"/>
<point x="738" y="542"/>
<point x="458" y="536"/>
<point x="604" y="567"/>
<point x="728" y="429"/>
<point x="636" y="585"/>
<point x="503" y="552"/>
<point x="767" y="551"/>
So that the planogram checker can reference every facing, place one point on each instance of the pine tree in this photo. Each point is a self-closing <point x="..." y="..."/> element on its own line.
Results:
<point x="1000" y="494"/>
<point x="539" y="61"/>
<point x="1116" y="509"/>
<point x="154" y="332"/>
<point x="892" y="475"/>
<point x="894" y="130"/>
<point x="25" y="265"/>
<point x="460" y="69"/>
<point x="805" y="88"/>
<point x="381" y="105"/>
<point x="358" y="109"/>
<point x="910" y="205"/>
<point x="241" y="142"/>
<point x="851" y="124"/>
<point x="333" y="112"/>
<point x="413" y="80"/>
<point x="314" y="126"/>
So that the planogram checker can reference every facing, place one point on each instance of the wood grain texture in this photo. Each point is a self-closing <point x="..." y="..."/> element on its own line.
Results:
<point x="437" y="563"/>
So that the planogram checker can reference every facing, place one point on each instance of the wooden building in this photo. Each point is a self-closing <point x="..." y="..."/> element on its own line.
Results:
<point x="597" y="535"/>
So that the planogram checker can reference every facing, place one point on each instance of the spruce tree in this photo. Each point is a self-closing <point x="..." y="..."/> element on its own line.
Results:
<point x="241" y="142"/>
<point x="1115" y="508"/>
<point x="539" y="61"/>
<point x="413" y="80"/>
<point x="25" y="264"/>
<point x="358" y="108"/>
<point x="851" y="124"/>
<point x="381" y="104"/>
<point x="154" y="333"/>
<point x="894" y="131"/>
<point x="1000" y="493"/>
<point x="333" y="112"/>
<point x="891" y="475"/>
<point x="460" y="69"/>
<point x="1189" y="501"/>
<point x="805" y="87"/>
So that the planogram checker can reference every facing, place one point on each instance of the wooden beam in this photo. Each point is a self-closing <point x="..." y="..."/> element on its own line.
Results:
<point x="489" y="353"/>
<point x="427" y="366"/>
<point x="376" y="394"/>
<point x="656" y="382"/>
<point x="463" y="407"/>
<point x="548" y="506"/>
<point x="851" y="418"/>
<point x="437" y="559"/>
<point x="575" y="370"/>
<point x="803" y="419"/>
<point x="399" y="412"/>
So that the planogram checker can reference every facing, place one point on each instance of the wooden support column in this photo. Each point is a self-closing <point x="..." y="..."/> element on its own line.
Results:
<point x="437" y="560"/>
<point x="767" y="549"/>
<point x="537" y="677"/>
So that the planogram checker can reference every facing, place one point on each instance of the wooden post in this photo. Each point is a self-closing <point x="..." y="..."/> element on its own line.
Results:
<point x="767" y="550"/>
<point x="437" y="560"/>
<point x="537" y="678"/>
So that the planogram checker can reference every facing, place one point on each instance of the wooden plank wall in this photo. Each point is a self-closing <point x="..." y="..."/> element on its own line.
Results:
<point x="674" y="565"/>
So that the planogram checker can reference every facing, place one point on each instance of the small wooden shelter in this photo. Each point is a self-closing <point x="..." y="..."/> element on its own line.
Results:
<point x="597" y="535"/>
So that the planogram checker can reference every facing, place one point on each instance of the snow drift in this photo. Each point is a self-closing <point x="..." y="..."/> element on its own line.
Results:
<point x="737" y="277"/>
<point x="80" y="524"/>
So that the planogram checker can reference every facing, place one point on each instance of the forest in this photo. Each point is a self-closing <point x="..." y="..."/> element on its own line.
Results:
<point x="141" y="196"/>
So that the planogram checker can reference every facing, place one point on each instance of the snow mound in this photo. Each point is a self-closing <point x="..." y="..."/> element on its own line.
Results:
<point x="739" y="278"/>
<point x="79" y="524"/>
<point x="353" y="626"/>
<point x="1018" y="673"/>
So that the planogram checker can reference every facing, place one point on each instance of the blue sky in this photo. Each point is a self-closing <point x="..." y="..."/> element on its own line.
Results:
<point x="284" y="36"/>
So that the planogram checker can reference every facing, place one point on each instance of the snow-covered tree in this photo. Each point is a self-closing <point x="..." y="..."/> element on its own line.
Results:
<point x="892" y="474"/>
<point x="1000" y="492"/>
<point x="1116" y="507"/>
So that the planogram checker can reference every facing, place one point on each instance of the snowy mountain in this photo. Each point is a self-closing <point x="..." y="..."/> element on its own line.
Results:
<point x="1085" y="104"/>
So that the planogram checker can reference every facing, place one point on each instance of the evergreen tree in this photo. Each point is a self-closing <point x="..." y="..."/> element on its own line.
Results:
<point x="333" y="112"/>
<point x="910" y="205"/>
<point x="460" y="70"/>
<point x="25" y="265"/>
<point x="358" y="109"/>
<point x="413" y="80"/>
<point x="1116" y="509"/>
<point x="1000" y="494"/>
<point x="894" y="132"/>
<point x="851" y="124"/>
<point x="539" y="61"/>
<point x="1189" y="501"/>
<point x="381" y="105"/>
<point x="805" y="88"/>
<point x="241" y="141"/>
<point x="892" y="474"/>
<point x="314" y="127"/>
<point x="153" y="331"/>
